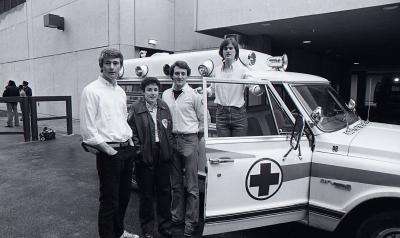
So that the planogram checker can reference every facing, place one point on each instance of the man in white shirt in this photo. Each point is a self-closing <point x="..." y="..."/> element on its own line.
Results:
<point x="103" y="118"/>
<point x="231" y="115"/>
<point x="188" y="126"/>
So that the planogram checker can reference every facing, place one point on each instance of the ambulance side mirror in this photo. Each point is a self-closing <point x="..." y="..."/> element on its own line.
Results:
<point x="296" y="135"/>
<point x="297" y="132"/>
<point x="351" y="105"/>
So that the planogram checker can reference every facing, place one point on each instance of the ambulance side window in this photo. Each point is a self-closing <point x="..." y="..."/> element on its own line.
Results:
<point x="286" y="99"/>
<point x="257" y="110"/>
<point x="283" y="122"/>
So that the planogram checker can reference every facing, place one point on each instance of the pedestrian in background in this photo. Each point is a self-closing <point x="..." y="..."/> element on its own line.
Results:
<point x="12" y="112"/>
<point x="27" y="89"/>
<point x="104" y="126"/>
<point x="151" y="123"/>
<point x="22" y="94"/>
<point x="21" y="90"/>
<point x="188" y="126"/>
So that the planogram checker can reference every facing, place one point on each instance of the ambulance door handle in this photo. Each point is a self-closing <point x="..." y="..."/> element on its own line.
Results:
<point x="221" y="160"/>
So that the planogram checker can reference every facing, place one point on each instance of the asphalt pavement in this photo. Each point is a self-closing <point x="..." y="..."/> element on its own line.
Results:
<point x="49" y="189"/>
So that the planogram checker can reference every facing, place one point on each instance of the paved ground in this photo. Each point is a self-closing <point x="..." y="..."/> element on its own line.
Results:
<point x="50" y="190"/>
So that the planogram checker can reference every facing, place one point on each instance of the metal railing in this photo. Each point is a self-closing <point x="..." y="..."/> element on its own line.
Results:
<point x="29" y="114"/>
<point x="35" y="119"/>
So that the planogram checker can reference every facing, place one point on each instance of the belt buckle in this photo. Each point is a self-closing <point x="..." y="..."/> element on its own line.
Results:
<point x="124" y="144"/>
<point x="119" y="144"/>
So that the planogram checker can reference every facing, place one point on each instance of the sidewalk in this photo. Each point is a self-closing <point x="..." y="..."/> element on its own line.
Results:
<point x="49" y="189"/>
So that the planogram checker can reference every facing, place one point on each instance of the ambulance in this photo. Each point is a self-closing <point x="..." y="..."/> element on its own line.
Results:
<point x="307" y="157"/>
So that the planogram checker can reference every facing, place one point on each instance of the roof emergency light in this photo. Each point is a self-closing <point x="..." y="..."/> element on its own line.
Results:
<point x="248" y="59"/>
<point x="166" y="69"/>
<point x="252" y="58"/>
<point x="121" y="72"/>
<point x="206" y="68"/>
<point x="278" y="62"/>
<point x="141" y="70"/>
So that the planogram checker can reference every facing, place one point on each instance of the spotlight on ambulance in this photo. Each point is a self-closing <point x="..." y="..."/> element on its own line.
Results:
<point x="166" y="68"/>
<point x="278" y="62"/>
<point x="141" y="71"/>
<point x="206" y="68"/>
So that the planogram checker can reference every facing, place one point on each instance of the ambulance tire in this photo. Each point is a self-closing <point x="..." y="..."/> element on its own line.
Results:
<point x="382" y="225"/>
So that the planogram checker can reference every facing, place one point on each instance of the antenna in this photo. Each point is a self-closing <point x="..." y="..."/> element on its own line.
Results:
<point x="369" y="98"/>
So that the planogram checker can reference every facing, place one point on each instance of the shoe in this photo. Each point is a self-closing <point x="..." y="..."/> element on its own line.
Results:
<point x="128" y="235"/>
<point x="8" y="126"/>
<point x="165" y="232"/>
<point x="148" y="235"/>
<point x="189" y="231"/>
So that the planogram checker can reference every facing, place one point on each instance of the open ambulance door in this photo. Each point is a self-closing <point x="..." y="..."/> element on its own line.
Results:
<point x="249" y="181"/>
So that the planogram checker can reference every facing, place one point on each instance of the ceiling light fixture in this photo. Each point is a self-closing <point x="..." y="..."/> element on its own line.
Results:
<point x="389" y="8"/>
<point x="356" y="63"/>
<point x="307" y="42"/>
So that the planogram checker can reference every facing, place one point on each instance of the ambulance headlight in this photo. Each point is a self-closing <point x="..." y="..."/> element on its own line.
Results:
<point x="206" y="68"/>
<point x="141" y="71"/>
<point x="278" y="62"/>
<point x="166" y="68"/>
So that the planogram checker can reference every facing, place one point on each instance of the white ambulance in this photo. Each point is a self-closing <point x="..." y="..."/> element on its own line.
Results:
<point x="308" y="157"/>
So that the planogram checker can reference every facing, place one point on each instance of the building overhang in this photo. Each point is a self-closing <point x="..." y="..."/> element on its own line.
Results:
<point x="368" y="36"/>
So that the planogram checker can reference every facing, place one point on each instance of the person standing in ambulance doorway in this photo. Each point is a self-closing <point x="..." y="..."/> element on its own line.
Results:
<point x="188" y="126"/>
<point x="151" y="123"/>
<point x="104" y="126"/>
<point x="231" y="115"/>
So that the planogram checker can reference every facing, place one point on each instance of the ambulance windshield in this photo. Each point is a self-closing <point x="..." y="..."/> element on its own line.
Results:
<point x="335" y="115"/>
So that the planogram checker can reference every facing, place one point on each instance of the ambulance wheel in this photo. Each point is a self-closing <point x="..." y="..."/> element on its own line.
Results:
<point x="382" y="225"/>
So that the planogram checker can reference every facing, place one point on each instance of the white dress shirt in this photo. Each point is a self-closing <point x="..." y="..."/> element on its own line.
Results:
<point x="103" y="113"/>
<point x="228" y="94"/>
<point x="186" y="110"/>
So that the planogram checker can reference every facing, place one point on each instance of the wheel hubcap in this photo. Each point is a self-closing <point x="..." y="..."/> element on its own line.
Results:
<point x="389" y="233"/>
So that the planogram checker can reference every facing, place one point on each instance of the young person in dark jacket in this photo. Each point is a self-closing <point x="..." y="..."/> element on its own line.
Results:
<point x="151" y="123"/>
<point x="27" y="89"/>
<point x="12" y="91"/>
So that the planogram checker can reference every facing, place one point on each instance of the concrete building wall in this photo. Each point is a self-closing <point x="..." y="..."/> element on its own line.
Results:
<point x="62" y="62"/>
<point x="14" y="34"/>
<point x="56" y="62"/>
<point x="171" y="23"/>
<point x="223" y="13"/>
<point x="154" y="19"/>
<point x="185" y="36"/>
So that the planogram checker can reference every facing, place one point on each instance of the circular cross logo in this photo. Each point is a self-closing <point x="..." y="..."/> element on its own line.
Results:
<point x="263" y="179"/>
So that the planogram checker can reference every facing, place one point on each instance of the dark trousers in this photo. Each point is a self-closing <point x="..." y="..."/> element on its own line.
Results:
<point x="154" y="186"/>
<point x="115" y="175"/>
<point x="12" y="113"/>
